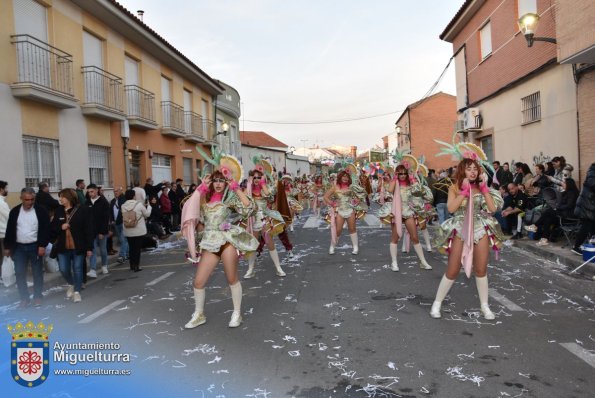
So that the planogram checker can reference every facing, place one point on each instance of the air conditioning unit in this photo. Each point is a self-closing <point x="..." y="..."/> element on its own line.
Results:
<point x="471" y="119"/>
<point x="459" y="126"/>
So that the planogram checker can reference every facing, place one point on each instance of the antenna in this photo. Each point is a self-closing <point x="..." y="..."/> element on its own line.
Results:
<point x="140" y="14"/>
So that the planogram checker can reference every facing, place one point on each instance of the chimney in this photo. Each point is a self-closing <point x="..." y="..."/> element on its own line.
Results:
<point x="140" y="14"/>
<point x="353" y="152"/>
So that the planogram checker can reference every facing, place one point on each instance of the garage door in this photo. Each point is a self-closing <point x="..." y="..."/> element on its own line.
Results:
<point x="161" y="168"/>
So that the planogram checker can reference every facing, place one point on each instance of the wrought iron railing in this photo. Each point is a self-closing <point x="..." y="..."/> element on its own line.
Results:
<point x="42" y="64"/>
<point x="102" y="88"/>
<point x="193" y="124"/>
<point x="140" y="103"/>
<point x="173" y="116"/>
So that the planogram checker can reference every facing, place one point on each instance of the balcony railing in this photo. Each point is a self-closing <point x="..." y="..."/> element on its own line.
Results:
<point x="140" y="107"/>
<point x="42" y="66"/>
<point x="173" y="119"/>
<point x="103" y="91"/>
<point x="193" y="126"/>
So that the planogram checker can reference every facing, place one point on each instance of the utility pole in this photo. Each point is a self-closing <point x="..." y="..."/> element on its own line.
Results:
<point x="304" y="143"/>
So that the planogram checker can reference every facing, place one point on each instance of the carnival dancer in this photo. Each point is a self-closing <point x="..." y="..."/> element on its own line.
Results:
<point x="291" y="193"/>
<point x="407" y="194"/>
<point x="346" y="202"/>
<point x="317" y="193"/>
<point x="267" y="223"/>
<point x="216" y="208"/>
<point x="468" y="236"/>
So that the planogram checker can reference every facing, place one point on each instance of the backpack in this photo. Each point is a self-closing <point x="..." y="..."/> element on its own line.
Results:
<point x="129" y="218"/>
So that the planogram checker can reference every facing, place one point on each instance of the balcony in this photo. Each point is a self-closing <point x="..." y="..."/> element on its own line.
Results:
<point x="44" y="73"/>
<point x="173" y="119"/>
<point x="193" y="126"/>
<point x="140" y="108"/>
<point x="208" y="131"/>
<point x="103" y="94"/>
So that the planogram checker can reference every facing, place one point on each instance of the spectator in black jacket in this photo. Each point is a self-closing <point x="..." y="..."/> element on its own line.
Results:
<point x="155" y="221"/>
<point x="564" y="208"/>
<point x="506" y="175"/>
<point x="152" y="190"/>
<point x="585" y="210"/>
<point x="99" y="209"/>
<point x="45" y="199"/>
<point x="27" y="235"/>
<point x="116" y="222"/>
<point x="517" y="205"/>
<point x="441" y="188"/>
<point x="72" y="232"/>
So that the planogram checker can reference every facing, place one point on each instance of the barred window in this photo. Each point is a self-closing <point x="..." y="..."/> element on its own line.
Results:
<point x="161" y="160"/>
<point x="42" y="162"/>
<point x="531" y="108"/>
<point x="100" y="165"/>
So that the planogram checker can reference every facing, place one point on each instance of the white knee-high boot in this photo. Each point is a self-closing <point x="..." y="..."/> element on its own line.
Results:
<point x="405" y="241"/>
<point x="482" y="291"/>
<point x="331" y="249"/>
<point x="426" y="235"/>
<point x="354" y="242"/>
<point x="198" y="317"/>
<point x="276" y="262"/>
<point x="393" y="255"/>
<point x="251" y="261"/>
<point x="443" y="289"/>
<point x="423" y="264"/>
<point x="236" y="298"/>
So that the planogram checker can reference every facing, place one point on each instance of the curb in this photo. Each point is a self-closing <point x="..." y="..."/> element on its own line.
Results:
<point x="566" y="259"/>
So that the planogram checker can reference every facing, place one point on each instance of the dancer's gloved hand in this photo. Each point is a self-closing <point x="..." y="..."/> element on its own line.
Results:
<point x="204" y="187"/>
<point x="234" y="186"/>
<point x="483" y="184"/>
<point x="466" y="188"/>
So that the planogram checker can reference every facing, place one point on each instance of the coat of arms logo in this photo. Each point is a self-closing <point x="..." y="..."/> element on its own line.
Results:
<point x="30" y="353"/>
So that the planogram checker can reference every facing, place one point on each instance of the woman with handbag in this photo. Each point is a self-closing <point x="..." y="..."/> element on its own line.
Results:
<point x="73" y="233"/>
<point x="134" y="214"/>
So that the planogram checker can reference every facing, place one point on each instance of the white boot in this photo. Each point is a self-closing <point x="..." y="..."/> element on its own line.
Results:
<point x="405" y="242"/>
<point x="426" y="235"/>
<point x="423" y="264"/>
<point x="482" y="291"/>
<point x="236" y="298"/>
<point x="198" y="317"/>
<point x="251" y="262"/>
<point x="291" y="227"/>
<point x="275" y="258"/>
<point x="443" y="289"/>
<point x="394" y="266"/>
<point x="331" y="249"/>
<point x="354" y="243"/>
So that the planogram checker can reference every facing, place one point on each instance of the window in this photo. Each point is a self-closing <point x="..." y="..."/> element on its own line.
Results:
<point x="487" y="145"/>
<point x="531" y="105"/>
<point x="187" y="170"/>
<point x="161" y="160"/>
<point x="99" y="165"/>
<point x="135" y="162"/>
<point x="42" y="162"/>
<point x="485" y="40"/>
<point x="526" y="6"/>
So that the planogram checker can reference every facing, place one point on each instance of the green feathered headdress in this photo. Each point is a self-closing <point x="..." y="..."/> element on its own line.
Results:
<point x="465" y="150"/>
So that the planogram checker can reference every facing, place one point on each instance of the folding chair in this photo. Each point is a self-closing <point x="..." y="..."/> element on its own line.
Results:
<point x="569" y="227"/>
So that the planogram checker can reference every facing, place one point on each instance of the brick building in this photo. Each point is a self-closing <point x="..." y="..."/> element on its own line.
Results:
<point x="517" y="103"/>
<point x="421" y="123"/>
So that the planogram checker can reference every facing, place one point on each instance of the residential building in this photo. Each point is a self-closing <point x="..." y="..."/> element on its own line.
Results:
<point x="87" y="90"/>
<point x="575" y="33"/>
<point x="296" y="165"/>
<point x="518" y="104"/>
<point x="259" y="143"/>
<point x="228" y="112"/>
<point x="421" y="123"/>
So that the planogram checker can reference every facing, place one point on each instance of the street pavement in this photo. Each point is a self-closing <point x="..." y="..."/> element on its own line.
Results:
<point x="336" y="326"/>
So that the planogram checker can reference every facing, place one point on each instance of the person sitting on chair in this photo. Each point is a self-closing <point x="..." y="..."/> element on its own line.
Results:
<point x="518" y="205"/>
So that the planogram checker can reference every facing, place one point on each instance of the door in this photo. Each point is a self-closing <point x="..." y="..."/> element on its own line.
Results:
<point x="30" y="18"/>
<point x="133" y="95"/>
<point x="95" y="82"/>
<point x="487" y="146"/>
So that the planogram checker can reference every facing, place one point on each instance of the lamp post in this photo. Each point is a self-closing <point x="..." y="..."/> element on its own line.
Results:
<point x="399" y="131"/>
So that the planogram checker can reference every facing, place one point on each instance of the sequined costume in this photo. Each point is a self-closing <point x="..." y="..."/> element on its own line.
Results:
<point x="483" y="223"/>
<point x="221" y="221"/>
<point x="266" y="219"/>
<point x="348" y="201"/>
<point x="413" y="204"/>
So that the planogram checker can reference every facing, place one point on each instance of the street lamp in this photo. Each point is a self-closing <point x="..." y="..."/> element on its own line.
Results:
<point x="291" y="150"/>
<point x="528" y="25"/>
<point x="224" y="129"/>
<point x="400" y="133"/>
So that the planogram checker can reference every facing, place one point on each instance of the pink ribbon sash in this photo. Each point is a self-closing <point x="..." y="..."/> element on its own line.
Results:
<point x="396" y="209"/>
<point x="190" y="217"/>
<point x="333" y="225"/>
<point x="468" y="235"/>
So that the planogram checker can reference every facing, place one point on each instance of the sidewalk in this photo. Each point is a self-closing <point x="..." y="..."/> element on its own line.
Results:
<point x="557" y="252"/>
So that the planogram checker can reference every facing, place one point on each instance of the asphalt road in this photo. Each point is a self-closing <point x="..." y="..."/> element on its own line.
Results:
<point x="336" y="326"/>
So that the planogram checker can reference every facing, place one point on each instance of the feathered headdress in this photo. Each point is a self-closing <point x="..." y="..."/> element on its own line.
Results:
<point x="422" y="170"/>
<point x="406" y="160"/>
<point x="465" y="150"/>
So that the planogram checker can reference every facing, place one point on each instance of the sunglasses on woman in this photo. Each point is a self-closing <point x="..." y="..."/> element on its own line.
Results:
<point x="402" y="174"/>
<point x="219" y="180"/>
<point x="257" y="178"/>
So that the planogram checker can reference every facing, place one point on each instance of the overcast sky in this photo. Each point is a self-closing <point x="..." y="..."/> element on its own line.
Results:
<point x="314" y="60"/>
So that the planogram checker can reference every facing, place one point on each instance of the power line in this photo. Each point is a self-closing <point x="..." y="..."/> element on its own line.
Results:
<point x="426" y="95"/>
